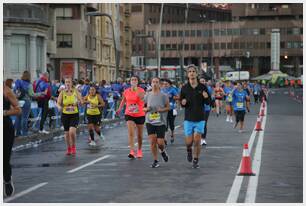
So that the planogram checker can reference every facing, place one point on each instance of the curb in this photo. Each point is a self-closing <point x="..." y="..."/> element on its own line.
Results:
<point x="34" y="140"/>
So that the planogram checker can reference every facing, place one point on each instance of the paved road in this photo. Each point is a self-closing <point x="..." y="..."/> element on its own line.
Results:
<point x="104" y="174"/>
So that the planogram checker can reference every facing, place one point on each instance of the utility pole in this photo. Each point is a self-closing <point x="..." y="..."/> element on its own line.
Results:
<point x="183" y="45"/>
<point x="159" y="35"/>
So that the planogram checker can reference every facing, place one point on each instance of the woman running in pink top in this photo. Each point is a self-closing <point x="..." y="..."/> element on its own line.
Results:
<point x="133" y="97"/>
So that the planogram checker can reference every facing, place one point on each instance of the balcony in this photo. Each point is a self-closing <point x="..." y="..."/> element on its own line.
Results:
<point x="127" y="13"/>
<point x="277" y="11"/>
<point x="25" y="13"/>
<point x="92" y="7"/>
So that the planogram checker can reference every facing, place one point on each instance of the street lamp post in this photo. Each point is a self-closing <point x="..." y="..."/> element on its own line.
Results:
<point x="97" y="13"/>
<point x="159" y="35"/>
<point x="212" y="47"/>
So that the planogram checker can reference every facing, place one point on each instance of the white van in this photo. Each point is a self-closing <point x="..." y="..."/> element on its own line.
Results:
<point x="234" y="76"/>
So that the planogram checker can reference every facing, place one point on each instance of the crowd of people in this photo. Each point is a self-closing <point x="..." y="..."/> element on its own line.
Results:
<point x="152" y="105"/>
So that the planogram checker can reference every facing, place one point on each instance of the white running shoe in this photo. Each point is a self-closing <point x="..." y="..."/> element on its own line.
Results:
<point x="231" y="119"/>
<point x="92" y="143"/>
<point x="203" y="142"/>
<point x="227" y="119"/>
<point x="43" y="131"/>
<point x="102" y="136"/>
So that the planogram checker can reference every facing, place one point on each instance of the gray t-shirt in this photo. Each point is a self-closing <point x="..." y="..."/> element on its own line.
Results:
<point x="154" y="101"/>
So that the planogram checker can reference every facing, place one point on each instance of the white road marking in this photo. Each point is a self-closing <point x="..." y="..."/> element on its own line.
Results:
<point x="88" y="164"/>
<point x="20" y="194"/>
<point x="235" y="189"/>
<point x="253" y="181"/>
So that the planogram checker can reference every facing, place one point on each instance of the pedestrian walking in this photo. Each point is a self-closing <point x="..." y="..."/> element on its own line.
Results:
<point x="157" y="106"/>
<point x="67" y="102"/>
<point x="94" y="104"/>
<point x="10" y="108"/>
<point x="134" y="115"/>
<point x="193" y="96"/>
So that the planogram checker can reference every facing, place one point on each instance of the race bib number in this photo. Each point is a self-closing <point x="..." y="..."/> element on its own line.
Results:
<point x="229" y="98"/>
<point x="154" y="117"/>
<point x="70" y="109"/>
<point x="90" y="106"/>
<point x="239" y="105"/>
<point x="133" y="108"/>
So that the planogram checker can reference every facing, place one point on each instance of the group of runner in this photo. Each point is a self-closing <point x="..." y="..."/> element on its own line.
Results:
<point x="156" y="108"/>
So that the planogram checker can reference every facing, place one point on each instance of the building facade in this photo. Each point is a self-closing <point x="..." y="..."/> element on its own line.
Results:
<point x="221" y="44"/>
<point x="28" y="33"/>
<point x="75" y="41"/>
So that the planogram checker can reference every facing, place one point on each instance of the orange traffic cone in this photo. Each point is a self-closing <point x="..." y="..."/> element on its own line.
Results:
<point x="258" y="124"/>
<point x="246" y="169"/>
<point x="262" y="113"/>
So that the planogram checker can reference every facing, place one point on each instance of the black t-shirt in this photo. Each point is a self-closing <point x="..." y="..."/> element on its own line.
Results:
<point x="194" y="108"/>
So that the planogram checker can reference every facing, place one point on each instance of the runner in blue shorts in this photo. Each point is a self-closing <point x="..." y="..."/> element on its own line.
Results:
<point x="193" y="96"/>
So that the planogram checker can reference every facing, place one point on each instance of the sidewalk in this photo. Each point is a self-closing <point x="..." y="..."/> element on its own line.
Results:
<point x="55" y="135"/>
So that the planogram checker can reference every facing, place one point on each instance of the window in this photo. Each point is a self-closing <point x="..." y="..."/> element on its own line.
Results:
<point x="216" y="46"/>
<point x="199" y="33"/>
<point x="162" y="33"/>
<point x="94" y="43"/>
<point x="242" y="45"/>
<point x="180" y="33"/>
<point x="192" y="33"/>
<point x="186" y="32"/>
<point x="289" y="31"/>
<point x="223" y="32"/>
<point x="229" y="32"/>
<point x="19" y="52"/>
<point x="296" y="45"/>
<point x="255" y="31"/>
<point x="236" y="45"/>
<point x="262" y="45"/>
<point x="64" y="40"/>
<point x="174" y="33"/>
<point x="162" y="47"/>
<point x="296" y="31"/>
<point x="268" y="45"/>
<point x="216" y="32"/>
<point x="198" y="47"/>
<point x="250" y="45"/>
<point x="186" y="46"/>
<point x="180" y="47"/>
<point x="205" y="33"/>
<point x="262" y="31"/>
<point x="192" y="47"/>
<point x="223" y="45"/>
<point x="236" y="32"/>
<point x="39" y="53"/>
<point x="256" y="45"/>
<point x="168" y="46"/>
<point x="168" y="33"/>
<point x="63" y="13"/>
<point x="282" y="45"/>
<point x="205" y="47"/>
<point x="174" y="46"/>
<point x="229" y="45"/>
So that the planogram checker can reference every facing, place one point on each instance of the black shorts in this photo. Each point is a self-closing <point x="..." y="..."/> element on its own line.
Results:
<point x="137" y="120"/>
<point x="70" y="120"/>
<point x="160" y="131"/>
<point x="94" y="119"/>
<point x="239" y="116"/>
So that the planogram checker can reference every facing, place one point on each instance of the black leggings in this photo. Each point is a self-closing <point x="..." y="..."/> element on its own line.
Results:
<point x="170" y="120"/>
<point x="205" y="127"/>
<point x="44" y="105"/>
<point x="8" y="141"/>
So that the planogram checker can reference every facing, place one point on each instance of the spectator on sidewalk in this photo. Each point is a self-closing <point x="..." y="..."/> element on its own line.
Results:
<point x="24" y="93"/>
<point x="42" y="85"/>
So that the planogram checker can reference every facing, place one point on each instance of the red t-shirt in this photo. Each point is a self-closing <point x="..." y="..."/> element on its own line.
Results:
<point x="134" y="105"/>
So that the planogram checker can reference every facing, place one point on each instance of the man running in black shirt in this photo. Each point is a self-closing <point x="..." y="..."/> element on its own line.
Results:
<point x="193" y="96"/>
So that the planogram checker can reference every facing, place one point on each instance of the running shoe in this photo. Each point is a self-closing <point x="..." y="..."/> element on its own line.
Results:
<point x="68" y="152"/>
<point x="203" y="142"/>
<point x="92" y="143"/>
<point x="139" y="153"/>
<point x="43" y="131"/>
<point x="102" y="136"/>
<point x="132" y="154"/>
<point x="165" y="156"/>
<point x="73" y="150"/>
<point x="227" y="119"/>
<point x="195" y="164"/>
<point x="172" y="139"/>
<point x="166" y="143"/>
<point x="235" y="125"/>
<point x="155" y="164"/>
<point x="231" y="120"/>
<point x="189" y="155"/>
<point x="8" y="188"/>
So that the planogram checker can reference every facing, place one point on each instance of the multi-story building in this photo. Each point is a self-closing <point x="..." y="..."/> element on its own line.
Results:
<point x="221" y="44"/>
<point x="105" y="63"/>
<point x="29" y="39"/>
<point x="76" y="41"/>
<point x="125" y="40"/>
